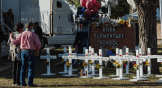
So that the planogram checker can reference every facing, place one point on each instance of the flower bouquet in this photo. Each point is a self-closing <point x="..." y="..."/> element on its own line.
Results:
<point x="47" y="62"/>
<point x="63" y="62"/>
<point x="90" y="62"/>
<point x="68" y="63"/>
<point x="125" y="63"/>
<point x="84" y="64"/>
<point x="146" y="63"/>
<point x="98" y="66"/>
<point x="136" y="67"/>
<point x="121" y="22"/>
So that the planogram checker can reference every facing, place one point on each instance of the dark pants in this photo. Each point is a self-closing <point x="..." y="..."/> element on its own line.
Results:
<point x="28" y="59"/>
<point x="16" y="72"/>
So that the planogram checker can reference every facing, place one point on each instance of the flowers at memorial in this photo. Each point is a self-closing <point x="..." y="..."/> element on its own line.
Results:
<point x="126" y="23"/>
<point x="119" y="65"/>
<point x="98" y="66"/>
<point x="132" y="19"/>
<point x="90" y="62"/>
<point x="82" y="61"/>
<point x="68" y="63"/>
<point x="136" y="67"/>
<point x="115" y="63"/>
<point x="47" y="62"/>
<point x="62" y="61"/>
<point x="121" y="22"/>
<point x="146" y="63"/>
<point x="84" y="64"/>
<point x="124" y="62"/>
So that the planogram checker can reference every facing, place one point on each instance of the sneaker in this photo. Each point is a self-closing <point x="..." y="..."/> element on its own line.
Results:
<point x="32" y="85"/>
<point x="17" y="85"/>
<point x="13" y="84"/>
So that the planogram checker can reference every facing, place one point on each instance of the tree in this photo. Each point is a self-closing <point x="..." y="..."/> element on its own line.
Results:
<point x="120" y="10"/>
<point x="147" y="29"/>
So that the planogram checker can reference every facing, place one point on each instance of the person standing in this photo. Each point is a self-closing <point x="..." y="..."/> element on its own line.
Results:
<point x="29" y="45"/>
<point x="9" y="20"/>
<point x="15" y="54"/>
<point x="38" y="30"/>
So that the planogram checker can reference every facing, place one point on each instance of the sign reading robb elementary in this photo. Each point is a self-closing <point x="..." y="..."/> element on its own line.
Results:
<point x="107" y="36"/>
<point x="108" y="30"/>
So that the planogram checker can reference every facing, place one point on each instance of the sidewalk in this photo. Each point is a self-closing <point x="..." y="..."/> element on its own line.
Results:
<point x="7" y="66"/>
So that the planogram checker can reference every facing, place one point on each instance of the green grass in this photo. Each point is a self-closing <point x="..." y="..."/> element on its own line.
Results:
<point x="74" y="82"/>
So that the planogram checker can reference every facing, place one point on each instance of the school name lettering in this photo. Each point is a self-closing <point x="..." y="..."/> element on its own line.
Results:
<point x="106" y="34"/>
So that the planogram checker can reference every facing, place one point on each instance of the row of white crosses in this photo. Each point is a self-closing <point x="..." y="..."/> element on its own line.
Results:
<point x="86" y="58"/>
<point x="128" y="58"/>
<point x="119" y="72"/>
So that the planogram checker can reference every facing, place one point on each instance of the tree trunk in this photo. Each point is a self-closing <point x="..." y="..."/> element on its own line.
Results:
<point x="147" y="31"/>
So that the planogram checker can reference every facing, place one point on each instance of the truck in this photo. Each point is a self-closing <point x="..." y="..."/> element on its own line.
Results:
<point x="63" y="29"/>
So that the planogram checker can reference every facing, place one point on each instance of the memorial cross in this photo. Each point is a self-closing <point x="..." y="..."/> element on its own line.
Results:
<point x="65" y="60"/>
<point x="86" y="67"/>
<point x="93" y="61"/>
<point x="127" y="66"/>
<point x="138" y="59"/>
<point x="70" y="61"/>
<point x="100" y="62"/>
<point x="48" y="57"/>
<point x="115" y="58"/>
<point x="121" y="58"/>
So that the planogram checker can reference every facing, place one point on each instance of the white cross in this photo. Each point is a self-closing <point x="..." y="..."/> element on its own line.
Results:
<point x="121" y="58"/>
<point x="70" y="60"/>
<point x="65" y="60"/>
<point x="100" y="62"/>
<point x="115" y="58"/>
<point x="48" y="57"/>
<point x="93" y="67"/>
<point x="90" y="66"/>
<point x="149" y="57"/>
<point x="86" y="67"/>
<point x="138" y="59"/>
<point x="127" y="66"/>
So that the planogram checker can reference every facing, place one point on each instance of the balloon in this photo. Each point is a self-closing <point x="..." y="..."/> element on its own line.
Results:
<point x="94" y="11"/>
<point x="98" y="4"/>
<point x="83" y="3"/>
<point x="93" y="2"/>
<point x="89" y="5"/>
<point x="87" y="13"/>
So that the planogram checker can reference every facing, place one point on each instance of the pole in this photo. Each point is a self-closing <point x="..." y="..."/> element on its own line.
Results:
<point x="160" y="2"/>
<point x="1" y="11"/>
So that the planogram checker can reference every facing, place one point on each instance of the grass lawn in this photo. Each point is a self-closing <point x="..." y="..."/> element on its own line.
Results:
<point x="74" y="82"/>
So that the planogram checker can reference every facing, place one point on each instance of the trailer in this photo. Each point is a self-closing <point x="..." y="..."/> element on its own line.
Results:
<point x="24" y="11"/>
<point x="63" y="29"/>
